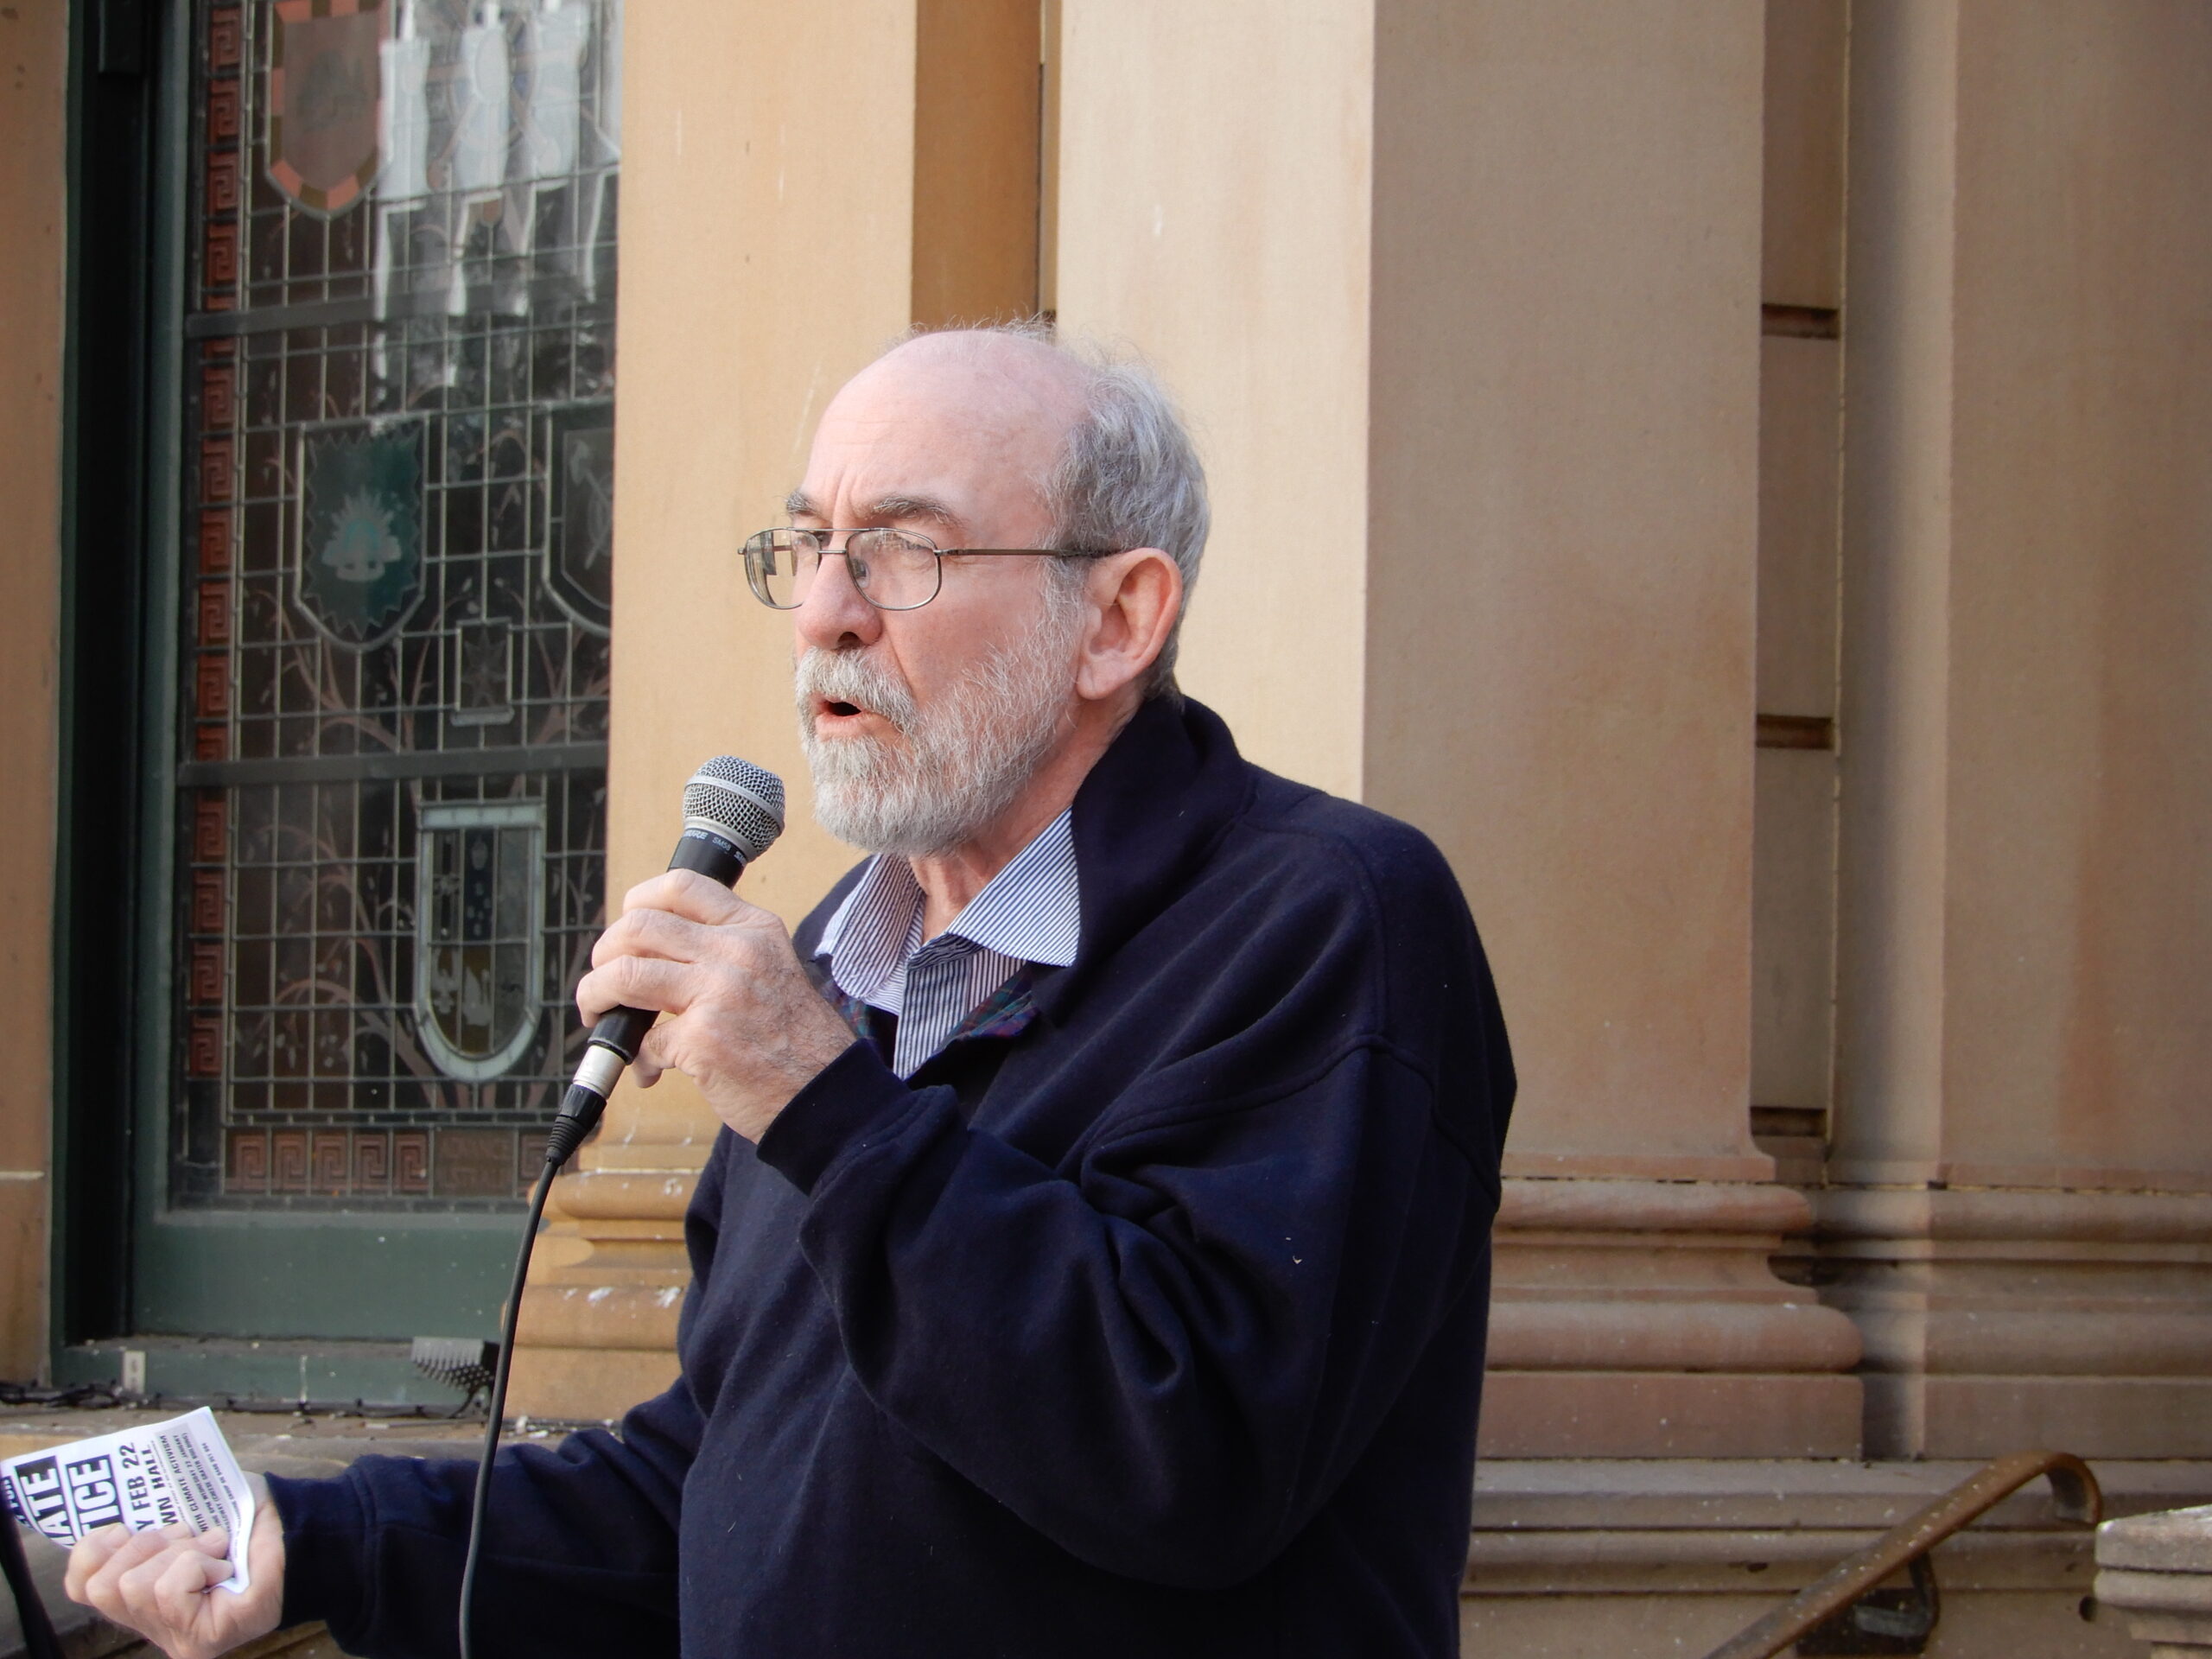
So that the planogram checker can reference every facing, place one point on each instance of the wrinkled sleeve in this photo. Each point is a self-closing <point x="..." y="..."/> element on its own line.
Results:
<point x="1167" y="1360"/>
<point x="578" y="1554"/>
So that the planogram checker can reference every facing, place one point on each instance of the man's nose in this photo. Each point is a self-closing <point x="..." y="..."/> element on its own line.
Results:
<point x="835" y="615"/>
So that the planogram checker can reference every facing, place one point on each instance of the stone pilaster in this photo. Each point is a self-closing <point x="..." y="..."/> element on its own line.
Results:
<point x="2020" y="1183"/>
<point x="33" y="186"/>
<point x="1475" y="361"/>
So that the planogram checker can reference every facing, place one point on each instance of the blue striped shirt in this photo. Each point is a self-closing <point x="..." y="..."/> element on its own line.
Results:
<point x="1029" y="912"/>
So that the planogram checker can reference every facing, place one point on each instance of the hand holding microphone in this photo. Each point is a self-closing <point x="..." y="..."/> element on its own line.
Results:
<point x="733" y="812"/>
<point x="737" y="1014"/>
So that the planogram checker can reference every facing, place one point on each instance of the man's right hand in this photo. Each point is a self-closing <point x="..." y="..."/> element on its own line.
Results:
<point x="158" y="1583"/>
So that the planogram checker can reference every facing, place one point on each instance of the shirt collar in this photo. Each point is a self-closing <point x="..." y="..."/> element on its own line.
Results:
<point x="1031" y="911"/>
<point x="866" y="940"/>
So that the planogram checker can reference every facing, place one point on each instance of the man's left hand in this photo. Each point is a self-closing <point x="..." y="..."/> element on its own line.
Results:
<point x="741" y="1020"/>
<point x="161" y="1584"/>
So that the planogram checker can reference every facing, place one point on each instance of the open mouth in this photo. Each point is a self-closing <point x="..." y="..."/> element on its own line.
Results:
<point x="833" y="713"/>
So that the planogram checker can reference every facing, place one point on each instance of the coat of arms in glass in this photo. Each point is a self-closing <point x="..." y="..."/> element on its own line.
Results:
<point x="394" y="601"/>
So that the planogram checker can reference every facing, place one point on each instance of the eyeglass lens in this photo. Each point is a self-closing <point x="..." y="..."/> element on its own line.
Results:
<point x="894" y="570"/>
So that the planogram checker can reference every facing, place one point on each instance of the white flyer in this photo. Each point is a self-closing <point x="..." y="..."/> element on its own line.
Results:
<point x="152" y="1476"/>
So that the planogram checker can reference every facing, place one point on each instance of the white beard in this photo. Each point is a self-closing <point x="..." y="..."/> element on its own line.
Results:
<point x="962" y="761"/>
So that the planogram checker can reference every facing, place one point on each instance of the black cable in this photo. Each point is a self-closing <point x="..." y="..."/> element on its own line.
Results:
<point x="496" y="1407"/>
<point x="38" y="1640"/>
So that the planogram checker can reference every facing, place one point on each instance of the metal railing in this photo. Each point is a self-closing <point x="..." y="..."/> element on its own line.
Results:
<point x="2075" y="1496"/>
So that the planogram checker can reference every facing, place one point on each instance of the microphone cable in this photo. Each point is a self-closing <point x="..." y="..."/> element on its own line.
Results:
<point x="496" y="1403"/>
<point x="733" y="810"/>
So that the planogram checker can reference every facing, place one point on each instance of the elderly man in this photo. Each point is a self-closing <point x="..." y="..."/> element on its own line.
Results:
<point x="1097" y="1261"/>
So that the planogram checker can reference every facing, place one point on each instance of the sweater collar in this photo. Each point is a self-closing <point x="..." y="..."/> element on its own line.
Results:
<point x="1152" y="807"/>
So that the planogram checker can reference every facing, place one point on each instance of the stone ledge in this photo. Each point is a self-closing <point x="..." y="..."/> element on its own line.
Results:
<point x="2175" y="1541"/>
<point x="1659" y="1558"/>
<point x="1689" y="1527"/>
<point x="1772" y="1562"/>
<point x="2119" y="1418"/>
<point x="1553" y="1494"/>
<point x="2187" y="1594"/>
<point x="2155" y="1570"/>
<point x="1669" y="1415"/>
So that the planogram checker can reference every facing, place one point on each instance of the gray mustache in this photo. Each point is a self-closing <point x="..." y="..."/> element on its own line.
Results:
<point x="851" y="676"/>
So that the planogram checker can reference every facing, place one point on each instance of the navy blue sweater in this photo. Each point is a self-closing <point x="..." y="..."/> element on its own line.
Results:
<point x="1149" y="1323"/>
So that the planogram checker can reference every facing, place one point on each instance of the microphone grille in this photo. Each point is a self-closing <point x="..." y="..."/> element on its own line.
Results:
<point x="737" y="799"/>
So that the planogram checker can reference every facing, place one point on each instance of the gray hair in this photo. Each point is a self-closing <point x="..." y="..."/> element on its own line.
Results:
<point x="1129" y="476"/>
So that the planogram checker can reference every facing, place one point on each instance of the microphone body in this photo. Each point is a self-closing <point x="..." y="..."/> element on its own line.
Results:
<point x="732" y="811"/>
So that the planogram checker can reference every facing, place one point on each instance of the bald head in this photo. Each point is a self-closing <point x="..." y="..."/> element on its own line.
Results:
<point x="967" y="426"/>
<point x="985" y="370"/>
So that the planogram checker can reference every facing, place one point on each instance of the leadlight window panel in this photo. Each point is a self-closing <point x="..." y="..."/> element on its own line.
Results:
<point x="396" y="594"/>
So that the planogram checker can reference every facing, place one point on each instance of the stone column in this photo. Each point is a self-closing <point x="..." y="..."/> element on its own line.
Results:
<point x="2021" y="1179"/>
<point x="1465" y="301"/>
<point x="33" y="179"/>
<point x="778" y="244"/>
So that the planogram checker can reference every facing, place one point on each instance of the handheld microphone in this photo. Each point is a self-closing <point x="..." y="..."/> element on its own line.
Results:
<point x="733" y="812"/>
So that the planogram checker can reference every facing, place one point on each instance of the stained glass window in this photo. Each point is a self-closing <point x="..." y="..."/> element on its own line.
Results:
<point x="393" y="708"/>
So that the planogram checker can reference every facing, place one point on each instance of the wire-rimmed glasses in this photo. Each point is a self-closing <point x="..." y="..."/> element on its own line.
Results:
<point x="894" y="569"/>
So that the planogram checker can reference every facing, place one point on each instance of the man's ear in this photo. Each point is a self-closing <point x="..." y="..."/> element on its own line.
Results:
<point x="1135" y="597"/>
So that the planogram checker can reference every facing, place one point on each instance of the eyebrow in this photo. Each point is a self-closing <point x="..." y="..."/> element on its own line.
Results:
<point x="928" y="509"/>
<point x="890" y="509"/>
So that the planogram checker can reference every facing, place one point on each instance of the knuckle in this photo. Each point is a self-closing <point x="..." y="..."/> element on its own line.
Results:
<point x="620" y="933"/>
<point x="768" y="924"/>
